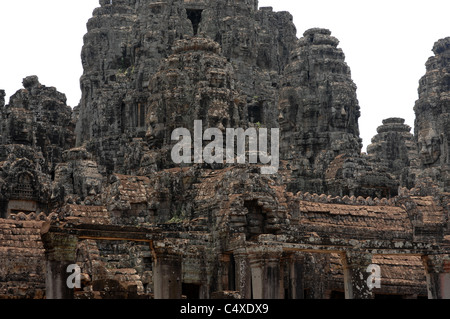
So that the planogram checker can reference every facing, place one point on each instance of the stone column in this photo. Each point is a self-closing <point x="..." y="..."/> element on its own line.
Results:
<point x="437" y="270"/>
<point x="266" y="274"/>
<point x="356" y="274"/>
<point x="60" y="253"/>
<point x="243" y="274"/>
<point x="167" y="274"/>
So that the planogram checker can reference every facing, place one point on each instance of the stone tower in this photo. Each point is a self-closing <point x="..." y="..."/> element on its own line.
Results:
<point x="36" y="127"/>
<point x="432" y="125"/>
<point x="127" y="42"/>
<point x="139" y="225"/>
<point x="195" y="83"/>
<point x="394" y="148"/>
<point x="318" y="108"/>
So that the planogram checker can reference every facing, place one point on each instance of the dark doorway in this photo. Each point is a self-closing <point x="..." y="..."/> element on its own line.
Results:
<point x="196" y="17"/>
<point x="337" y="295"/>
<point x="256" y="220"/>
<point x="191" y="291"/>
<point x="232" y="274"/>
<point x="255" y="113"/>
<point x="383" y="297"/>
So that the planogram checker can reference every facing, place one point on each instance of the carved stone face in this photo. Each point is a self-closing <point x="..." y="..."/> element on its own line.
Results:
<point x="429" y="146"/>
<point x="340" y="116"/>
<point x="21" y="128"/>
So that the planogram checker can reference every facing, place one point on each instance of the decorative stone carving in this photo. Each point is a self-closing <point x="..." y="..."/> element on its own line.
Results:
<point x="432" y="117"/>
<point x="140" y="226"/>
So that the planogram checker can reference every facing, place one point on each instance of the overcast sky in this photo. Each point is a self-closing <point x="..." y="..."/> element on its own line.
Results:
<point x="386" y="43"/>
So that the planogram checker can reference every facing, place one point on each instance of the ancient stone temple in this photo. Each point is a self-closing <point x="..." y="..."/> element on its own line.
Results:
<point x="93" y="205"/>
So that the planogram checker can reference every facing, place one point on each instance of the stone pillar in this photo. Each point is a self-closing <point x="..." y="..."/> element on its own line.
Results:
<point x="437" y="270"/>
<point x="167" y="275"/>
<point x="356" y="274"/>
<point x="60" y="253"/>
<point x="243" y="274"/>
<point x="266" y="274"/>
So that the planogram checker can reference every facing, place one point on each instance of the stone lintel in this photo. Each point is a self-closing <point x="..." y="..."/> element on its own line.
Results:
<point x="327" y="244"/>
<point x="103" y="232"/>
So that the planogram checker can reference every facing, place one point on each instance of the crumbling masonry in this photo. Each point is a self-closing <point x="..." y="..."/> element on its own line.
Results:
<point x="95" y="186"/>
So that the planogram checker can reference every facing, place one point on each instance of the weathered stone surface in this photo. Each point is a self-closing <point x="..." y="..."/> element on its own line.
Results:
<point x="141" y="227"/>
<point x="432" y="125"/>
<point x="38" y="116"/>
<point x="2" y="98"/>
<point x="24" y="186"/>
<point x="394" y="148"/>
<point x="194" y="83"/>
<point x="22" y="260"/>
<point x="36" y="128"/>
<point x="319" y="109"/>
<point x="140" y="36"/>
<point x="77" y="179"/>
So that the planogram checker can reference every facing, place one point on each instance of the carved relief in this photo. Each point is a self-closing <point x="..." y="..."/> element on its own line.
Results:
<point x="429" y="144"/>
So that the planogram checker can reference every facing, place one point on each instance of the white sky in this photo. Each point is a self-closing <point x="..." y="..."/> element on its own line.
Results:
<point x="386" y="43"/>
